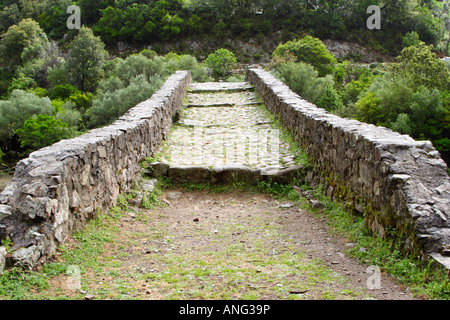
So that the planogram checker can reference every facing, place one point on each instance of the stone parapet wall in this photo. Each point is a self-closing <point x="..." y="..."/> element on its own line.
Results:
<point x="59" y="188"/>
<point x="396" y="182"/>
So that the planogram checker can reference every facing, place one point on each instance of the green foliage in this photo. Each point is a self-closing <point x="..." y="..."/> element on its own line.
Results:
<point x="411" y="39"/>
<point x="303" y="79"/>
<point x="424" y="68"/>
<point x="21" y="43"/>
<point x="57" y="76"/>
<point x="110" y="105"/>
<point x="41" y="131"/>
<point x="310" y="50"/>
<point x="18" y="108"/>
<point x="21" y="83"/>
<point x="69" y="114"/>
<point x="63" y="91"/>
<point x="86" y="59"/>
<point x="330" y="100"/>
<point x="221" y="62"/>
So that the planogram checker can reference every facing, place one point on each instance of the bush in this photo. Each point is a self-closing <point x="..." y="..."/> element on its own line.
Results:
<point x="221" y="62"/>
<point x="303" y="79"/>
<point x="68" y="114"/>
<point x="310" y="50"/>
<point x="41" y="131"/>
<point x="411" y="39"/>
<point x="110" y="105"/>
<point x="20" y="106"/>
<point x="63" y="91"/>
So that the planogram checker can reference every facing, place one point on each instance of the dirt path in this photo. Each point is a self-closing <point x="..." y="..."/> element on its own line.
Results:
<point x="225" y="246"/>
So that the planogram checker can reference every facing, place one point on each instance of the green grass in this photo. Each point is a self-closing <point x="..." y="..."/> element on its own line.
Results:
<point x="424" y="278"/>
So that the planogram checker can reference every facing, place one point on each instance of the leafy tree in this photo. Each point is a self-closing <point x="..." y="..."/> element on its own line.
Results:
<point x="423" y="67"/>
<point x="21" y="43"/>
<point x="17" y="109"/>
<point x="86" y="59"/>
<point x="310" y="50"/>
<point x="63" y="91"/>
<point x="221" y="62"/>
<point x="41" y="131"/>
<point x="303" y="79"/>
<point x="111" y="105"/>
<point x="411" y="39"/>
<point x="9" y="16"/>
<point x="330" y="99"/>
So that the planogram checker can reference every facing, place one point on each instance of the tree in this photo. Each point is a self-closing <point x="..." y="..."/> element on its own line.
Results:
<point x="22" y="43"/>
<point x="41" y="131"/>
<point x="421" y="65"/>
<point x="86" y="59"/>
<point x="15" y="111"/>
<point x="221" y="62"/>
<point x="310" y="50"/>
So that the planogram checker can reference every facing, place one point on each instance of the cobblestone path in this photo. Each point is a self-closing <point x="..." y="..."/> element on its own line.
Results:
<point x="226" y="124"/>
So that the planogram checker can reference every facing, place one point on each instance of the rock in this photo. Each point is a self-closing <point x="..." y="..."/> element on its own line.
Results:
<point x="234" y="173"/>
<point x="286" y="205"/>
<point x="89" y="297"/>
<point x="190" y="174"/>
<point x="136" y="201"/>
<point x="2" y="259"/>
<point x="5" y="211"/>
<point x="174" y="196"/>
<point x="445" y="250"/>
<point x="359" y="207"/>
<point x="158" y="169"/>
<point x="26" y="257"/>
<point x="149" y="185"/>
<point x="316" y="204"/>
<point x="3" y="232"/>
<point x="444" y="188"/>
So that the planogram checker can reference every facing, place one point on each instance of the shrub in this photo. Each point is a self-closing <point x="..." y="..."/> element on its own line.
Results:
<point x="310" y="50"/>
<point x="63" y="91"/>
<point x="221" y="62"/>
<point x="41" y="131"/>
<point x="303" y="79"/>
<point x="112" y="104"/>
<point x="20" y="106"/>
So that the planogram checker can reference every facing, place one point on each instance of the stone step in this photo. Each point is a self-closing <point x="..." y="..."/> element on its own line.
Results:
<point x="219" y="86"/>
<point x="223" y="174"/>
<point x="221" y="105"/>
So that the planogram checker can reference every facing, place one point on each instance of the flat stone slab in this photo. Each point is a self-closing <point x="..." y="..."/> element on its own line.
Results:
<point x="229" y="173"/>
<point x="220" y="86"/>
<point x="225" y="135"/>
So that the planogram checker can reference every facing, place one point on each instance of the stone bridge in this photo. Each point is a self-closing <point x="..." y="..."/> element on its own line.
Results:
<point x="223" y="132"/>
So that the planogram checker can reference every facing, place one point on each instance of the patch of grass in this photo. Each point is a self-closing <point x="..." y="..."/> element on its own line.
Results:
<point x="424" y="278"/>
<point x="18" y="284"/>
<point x="24" y="284"/>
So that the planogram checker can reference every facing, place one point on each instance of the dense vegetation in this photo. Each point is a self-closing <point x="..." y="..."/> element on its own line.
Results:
<point x="57" y="83"/>
<point x="411" y="96"/>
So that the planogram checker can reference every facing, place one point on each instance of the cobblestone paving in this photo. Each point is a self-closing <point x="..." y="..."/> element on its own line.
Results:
<point x="220" y="125"/>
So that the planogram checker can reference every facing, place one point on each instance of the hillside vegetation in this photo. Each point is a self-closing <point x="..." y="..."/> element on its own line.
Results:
<point x="57" y="83"/>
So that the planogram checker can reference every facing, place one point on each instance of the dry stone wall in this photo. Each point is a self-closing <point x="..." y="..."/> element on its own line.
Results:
<point x="59" y="188"/>
<point x="396" y="182"/>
